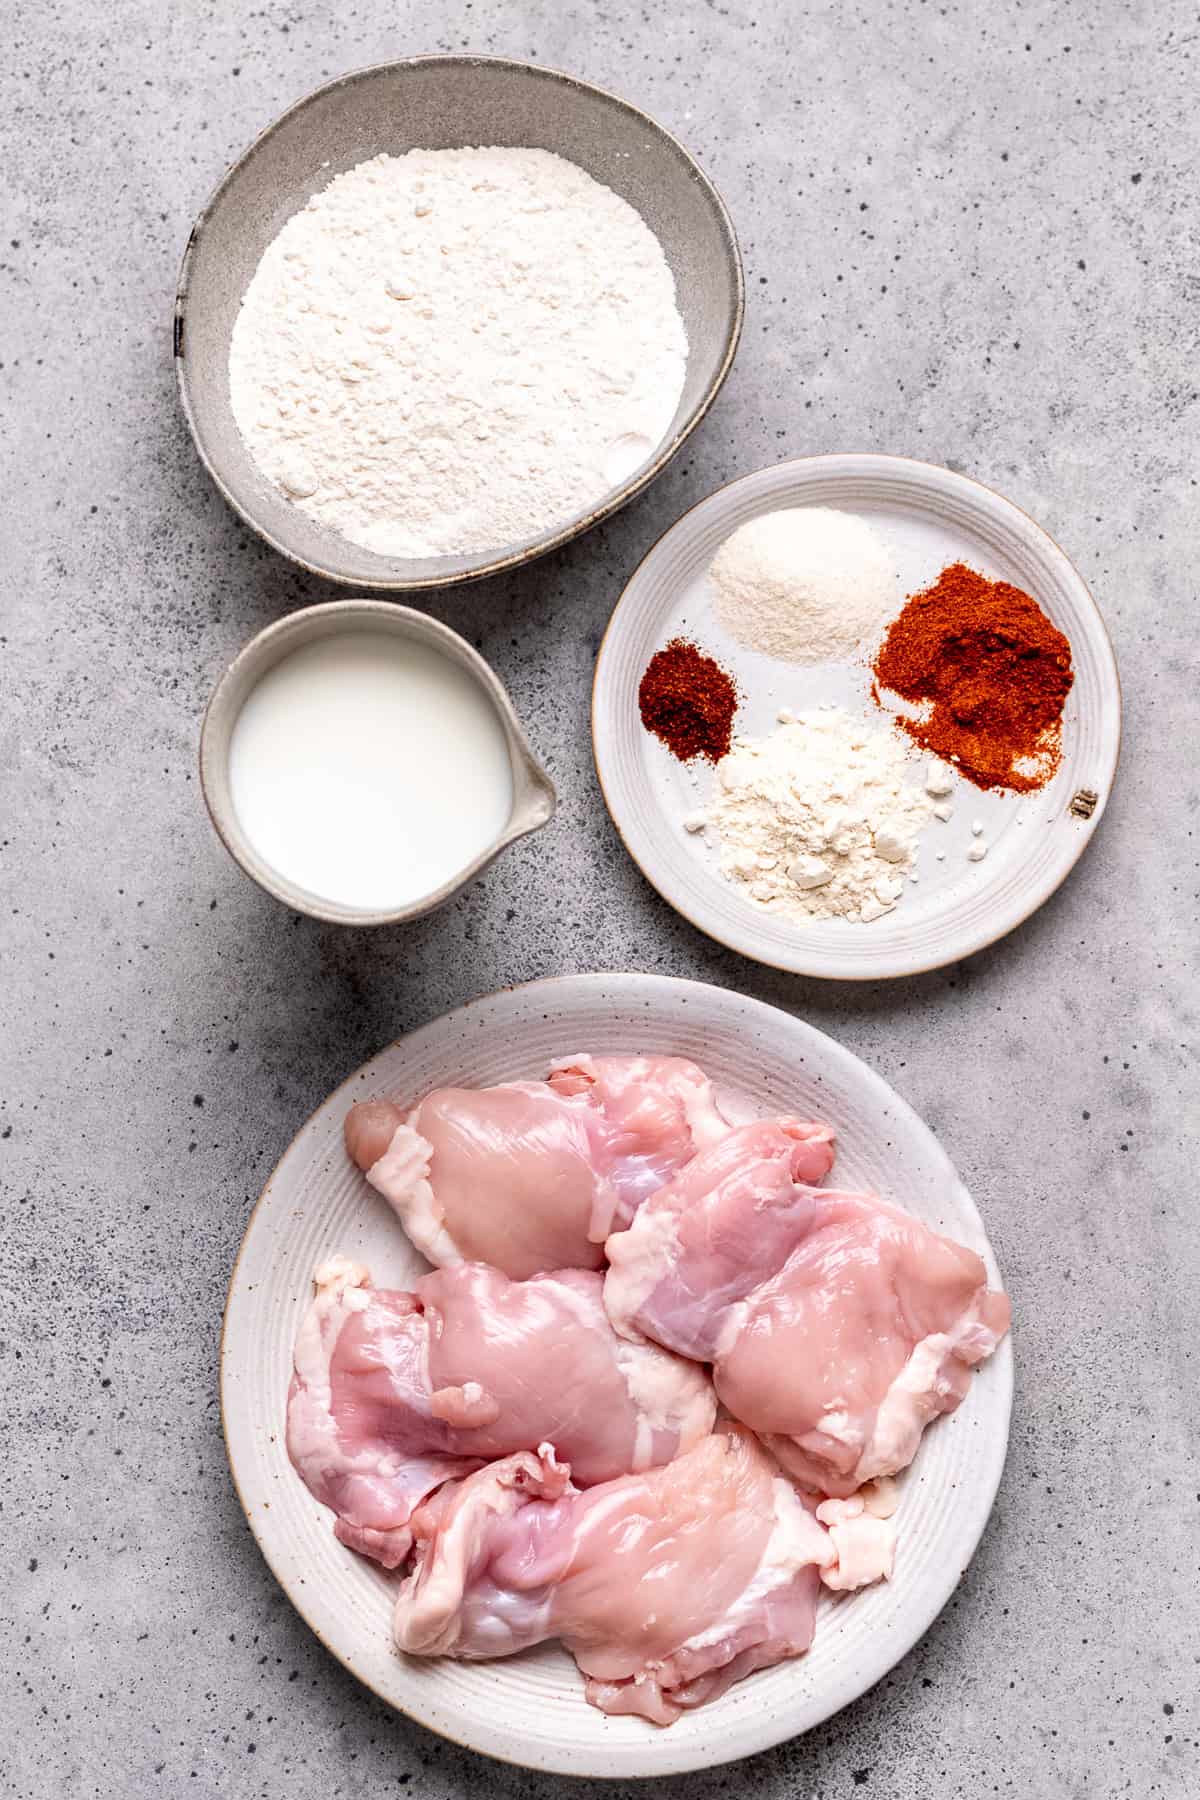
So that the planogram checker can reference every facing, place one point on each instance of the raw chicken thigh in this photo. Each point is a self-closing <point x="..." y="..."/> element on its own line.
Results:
<point x="727" y="1221"/>
<point x="533" y="1175"/>
<point x="838" y="1325"/>
<point x="533" y="1434"/>
<point x="395" y="1393"/>
<point x="666" y="1588"/>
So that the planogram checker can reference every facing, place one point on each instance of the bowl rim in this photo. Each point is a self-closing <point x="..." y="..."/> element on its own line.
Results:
<point x="621" y="496"/>
<point x="534" y="799"/>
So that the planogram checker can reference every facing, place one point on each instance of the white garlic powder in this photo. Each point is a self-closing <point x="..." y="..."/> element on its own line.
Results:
<point x="818" y="820"/>
<point x="806" y="584"/>
<point x="454" y="351"/>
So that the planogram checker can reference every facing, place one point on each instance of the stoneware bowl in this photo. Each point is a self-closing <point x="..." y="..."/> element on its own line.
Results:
<point x="530" y="1709"/>
<point x="534" y="799"/>
<point x="441" y="102"/>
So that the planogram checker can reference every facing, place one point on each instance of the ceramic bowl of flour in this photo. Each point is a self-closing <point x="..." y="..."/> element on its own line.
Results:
<point x="299" y="416"/>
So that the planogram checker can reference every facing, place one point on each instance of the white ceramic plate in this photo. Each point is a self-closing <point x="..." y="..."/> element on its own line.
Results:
<point x="929" y="517"/>
<point x="530" y="1709"/>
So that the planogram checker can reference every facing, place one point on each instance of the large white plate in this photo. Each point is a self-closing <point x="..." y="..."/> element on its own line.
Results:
<point x="530" y="1709"/>
<point x="929" y="517"/>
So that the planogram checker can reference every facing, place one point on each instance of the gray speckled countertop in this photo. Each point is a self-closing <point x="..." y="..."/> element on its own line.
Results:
<point x="970" y="235"/>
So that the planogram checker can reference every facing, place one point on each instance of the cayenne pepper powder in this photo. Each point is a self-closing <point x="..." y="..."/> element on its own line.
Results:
<point x="990" y="674"/>
<point x="687" y="700"/>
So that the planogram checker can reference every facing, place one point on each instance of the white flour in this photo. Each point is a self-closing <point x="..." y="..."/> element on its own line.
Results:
<point x="817" y="821"/>
<point x="806" y="584"/>
<point x="455" y="350"/>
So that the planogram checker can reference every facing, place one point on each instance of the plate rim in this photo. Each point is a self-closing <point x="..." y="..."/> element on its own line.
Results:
<point x="1001" y="1363"/>
<point x="870" y="461"/>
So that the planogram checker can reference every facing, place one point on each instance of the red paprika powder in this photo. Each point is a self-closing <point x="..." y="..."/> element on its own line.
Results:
<point x="687" y="700"/>
<point x="990" y="674"/>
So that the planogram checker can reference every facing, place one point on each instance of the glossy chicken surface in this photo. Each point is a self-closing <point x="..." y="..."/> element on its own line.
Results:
<point x="729" y="1219"/>
<point x="533" y="1175"/>
<point x="397" y="1392"/>
<point x="666" y="1587"/>
<point x="838" y="1325"/>
<point x="529" y="1433"/>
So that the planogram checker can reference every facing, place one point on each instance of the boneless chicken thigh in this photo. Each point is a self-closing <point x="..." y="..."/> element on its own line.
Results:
<point x="665" y="1587"/>
<point x="868" y="1332"/>
<point x="729" y="1219"/>
<point x="533" y="1175"/>
<point x="838" y="1325"/>
<point x="396" y="1392"/>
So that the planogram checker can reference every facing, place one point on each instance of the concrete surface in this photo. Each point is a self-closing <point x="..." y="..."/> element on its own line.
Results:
<point x="970" y="235"/>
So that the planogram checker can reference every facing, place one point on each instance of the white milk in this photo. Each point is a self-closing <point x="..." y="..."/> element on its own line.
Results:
<point x="369" y="769"/>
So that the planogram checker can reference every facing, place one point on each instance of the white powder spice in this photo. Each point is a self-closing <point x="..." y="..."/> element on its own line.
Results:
<point x="819" y="819"/>
<point x="454" y="351"/>
<point x="807" y="584"/>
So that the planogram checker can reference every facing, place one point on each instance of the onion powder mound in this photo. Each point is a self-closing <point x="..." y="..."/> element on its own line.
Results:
<point x="819" y="820"/>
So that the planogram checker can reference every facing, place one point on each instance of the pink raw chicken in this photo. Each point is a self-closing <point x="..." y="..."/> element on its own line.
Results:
<point x="666" y="1588"/>
<point x="838" y="1325"/>
<point x="395" y="1393"/>
<point x="533" y="1175"/>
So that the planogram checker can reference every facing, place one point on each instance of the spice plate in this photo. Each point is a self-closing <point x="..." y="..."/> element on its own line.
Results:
<point x="529" y="1709"/>
<point x="929" y="517"/>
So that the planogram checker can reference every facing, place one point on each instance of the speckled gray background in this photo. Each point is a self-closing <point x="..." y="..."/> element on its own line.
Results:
<point x="971" y="234"/>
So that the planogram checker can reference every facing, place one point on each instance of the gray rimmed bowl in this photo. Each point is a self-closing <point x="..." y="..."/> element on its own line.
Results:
<point x="441" y="102"/>
<point x="534" y="799"/>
